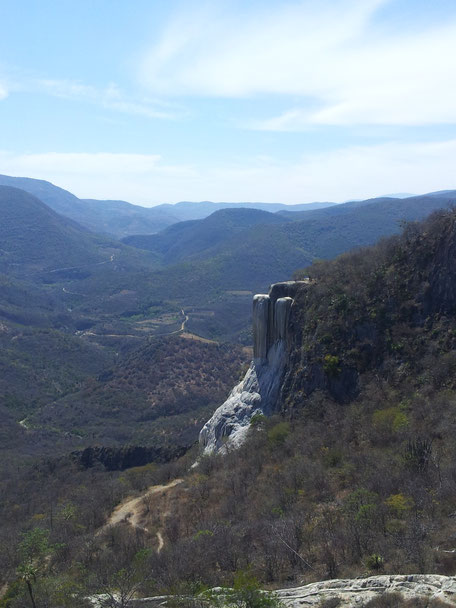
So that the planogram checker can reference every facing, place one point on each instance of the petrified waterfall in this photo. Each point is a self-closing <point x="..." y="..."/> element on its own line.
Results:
<point x="260" y="320"/>
<point x="270" y="323"/>
<point x="258" y="392"/>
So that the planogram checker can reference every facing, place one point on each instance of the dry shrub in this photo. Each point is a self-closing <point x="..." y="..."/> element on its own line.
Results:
<point x="332" y="602"/>
<point x="396" y="600"/>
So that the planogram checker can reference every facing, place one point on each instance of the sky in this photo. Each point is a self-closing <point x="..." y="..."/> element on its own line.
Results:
<point x="155" y="101"/>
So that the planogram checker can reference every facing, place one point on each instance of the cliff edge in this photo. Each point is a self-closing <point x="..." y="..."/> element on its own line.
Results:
<point x="258" y="392"/>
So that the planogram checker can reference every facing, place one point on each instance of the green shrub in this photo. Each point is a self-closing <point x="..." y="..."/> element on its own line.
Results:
<point x="400" y="504"/>
<point x="278" y="433"/>
<point x="331" y="365"/>
<point x="245" y="593"/>
<point x="257" y="420"/>
<point x="391" y="419"/>
<point x="374" y="562"/>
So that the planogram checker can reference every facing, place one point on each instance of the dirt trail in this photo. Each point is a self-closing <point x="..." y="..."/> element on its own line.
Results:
<point x="131" y="511"/>
<point x="188" y="336"/>
<point x="161" y="542"/>
<point x="111" y="259"/>
<point x="184" y="322"/>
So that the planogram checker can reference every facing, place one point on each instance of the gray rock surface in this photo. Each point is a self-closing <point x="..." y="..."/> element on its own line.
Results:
<point x="260" y="321"/>
<point x="355" y="593"/>
<point x="352" y="593"/>
<point x="258" y="392"/>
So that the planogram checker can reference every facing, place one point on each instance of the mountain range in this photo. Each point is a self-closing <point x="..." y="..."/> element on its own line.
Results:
<point x="207" y="266"/>
<point x="119" y="218"/>
<point x="248" y="249"/>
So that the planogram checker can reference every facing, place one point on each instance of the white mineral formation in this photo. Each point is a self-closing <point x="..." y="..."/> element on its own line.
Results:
<point x="258" y="392"/>
<point x="344" y="593"/>
<point x="355" y="593"/>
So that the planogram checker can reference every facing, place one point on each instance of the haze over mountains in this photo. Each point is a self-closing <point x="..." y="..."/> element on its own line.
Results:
<point x="211" y="265"/>
<point x="119" y="218"/>
<point x="296" y="237"/>
<point x="328" y="230"/>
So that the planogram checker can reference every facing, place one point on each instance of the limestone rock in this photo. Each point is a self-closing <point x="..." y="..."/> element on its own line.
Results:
<point x="260" y="321"/>
<point x="259" y="390"/>
<point x="355" y="593"/>
<point x="352" y="593"/>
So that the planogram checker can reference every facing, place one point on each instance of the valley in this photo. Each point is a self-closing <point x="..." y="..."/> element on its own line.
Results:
<point x="114" y="354"/>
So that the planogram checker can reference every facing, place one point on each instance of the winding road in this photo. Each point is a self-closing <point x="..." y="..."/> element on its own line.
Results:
<point x="131" y="511"/>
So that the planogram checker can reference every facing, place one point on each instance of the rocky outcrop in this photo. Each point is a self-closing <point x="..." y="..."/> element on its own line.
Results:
<point x="343" y="593"/>
<point x="355" y="593"/>
<point x="259" y="390"/>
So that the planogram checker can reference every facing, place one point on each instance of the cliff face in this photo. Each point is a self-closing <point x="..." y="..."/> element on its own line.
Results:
<point x="369" y="312"/>
<point x="359" y="473"/>
<point x="258" y="392"/>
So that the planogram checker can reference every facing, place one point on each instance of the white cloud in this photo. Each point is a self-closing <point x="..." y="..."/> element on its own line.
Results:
<point x="3" y="91"/>
<point x="140" y="178"/>
<point x="341" y="174"/>
<point x="351" y="172"/>
<point x="328" y="53"/>
<point x="110" y="97"/>
<point x="268" y="51"/>
<point x="83" y="164"/>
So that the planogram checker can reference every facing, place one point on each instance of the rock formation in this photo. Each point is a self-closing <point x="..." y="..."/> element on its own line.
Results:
<point x="258" y="392"/>
<point x="353" y="593"/>
<point x="343" y="593"/>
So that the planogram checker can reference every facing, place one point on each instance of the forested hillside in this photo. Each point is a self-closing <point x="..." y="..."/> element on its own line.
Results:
<point x="354" y="474"/>
<point x="357" y="472"/>
<point x="193" y="237"/>
<point x="248" y="249"/>
<point x="159" y="394"/>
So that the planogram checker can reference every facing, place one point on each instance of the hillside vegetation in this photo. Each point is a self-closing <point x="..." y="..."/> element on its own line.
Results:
<point x="355" y="473"/>
<point x="249" y="249"/>
<point x="187" y="239"/>
<point x="159" y="394"/>
<point x="35" y="237"/>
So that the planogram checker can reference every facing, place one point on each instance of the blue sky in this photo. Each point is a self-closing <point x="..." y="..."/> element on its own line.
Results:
<point x="291" y="101"/>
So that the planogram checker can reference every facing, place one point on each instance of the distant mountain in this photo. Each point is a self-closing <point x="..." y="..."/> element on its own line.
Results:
<point x="390" y="209"/>
<point x="186" y="210"/>
<point x="116" y="218"/>
<point x="33" y="236"/>
<point x="57" y="198"/>
<point x="119" y="218"/>
<point x="207" y="265"/>
<point x="45" y="250"/>
<point x="185" y="239"/>
<point x="263" y="253"/>
<point x="399" y="195"/>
